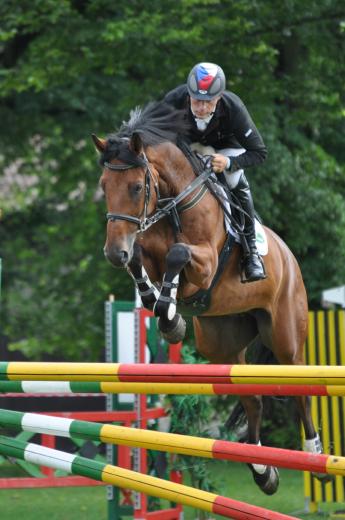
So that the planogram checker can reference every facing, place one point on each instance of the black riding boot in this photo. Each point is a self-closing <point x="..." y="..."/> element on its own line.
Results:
<point x="252" y="263"/>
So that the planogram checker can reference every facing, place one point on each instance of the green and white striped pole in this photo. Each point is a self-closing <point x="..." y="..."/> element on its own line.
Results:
<point x="92" y="387"/>
<point x="173" y="443"/>
<point x="128" y="479"/>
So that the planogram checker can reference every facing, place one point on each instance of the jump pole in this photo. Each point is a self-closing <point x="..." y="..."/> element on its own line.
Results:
<point x="128" y="479"/>
<point x="43" y="388"/>
<point x="173" y="373"/>
<point x="173" y="443"/>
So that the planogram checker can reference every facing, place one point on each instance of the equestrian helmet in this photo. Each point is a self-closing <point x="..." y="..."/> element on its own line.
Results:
<point x="206" y="81"/>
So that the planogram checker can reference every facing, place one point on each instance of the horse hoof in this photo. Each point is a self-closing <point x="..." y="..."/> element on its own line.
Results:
<point x="268" y="481"/>
<point x="174" y="331"/>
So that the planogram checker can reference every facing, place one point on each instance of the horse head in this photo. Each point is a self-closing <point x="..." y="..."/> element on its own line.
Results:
<point x="126" y="180"/>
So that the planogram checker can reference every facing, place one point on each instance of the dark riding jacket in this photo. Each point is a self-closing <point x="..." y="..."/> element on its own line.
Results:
<point x="230" y="127"/>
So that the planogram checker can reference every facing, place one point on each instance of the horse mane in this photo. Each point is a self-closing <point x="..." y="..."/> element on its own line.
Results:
<point x="156" y="123"/>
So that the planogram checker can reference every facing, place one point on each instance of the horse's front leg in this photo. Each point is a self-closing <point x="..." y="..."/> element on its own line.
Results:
<point x="200" y="263"/>
<point x="171" y="324"/>
<point x="147" y="291"/>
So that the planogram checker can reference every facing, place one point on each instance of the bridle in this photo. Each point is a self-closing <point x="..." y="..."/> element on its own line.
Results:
<point x="144" y="221"/>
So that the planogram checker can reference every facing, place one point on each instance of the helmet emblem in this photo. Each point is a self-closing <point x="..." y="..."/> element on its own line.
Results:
<point x="205" y="76"/>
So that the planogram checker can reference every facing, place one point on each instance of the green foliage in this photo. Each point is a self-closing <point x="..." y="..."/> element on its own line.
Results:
<point x="70" y="68"/>
<point x="280" y="423"/>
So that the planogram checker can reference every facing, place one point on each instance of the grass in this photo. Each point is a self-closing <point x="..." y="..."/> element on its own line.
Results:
<point x="230" y="479"/>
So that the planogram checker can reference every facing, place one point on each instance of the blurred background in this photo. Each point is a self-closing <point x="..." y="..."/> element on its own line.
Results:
<point x="70" y="68"/>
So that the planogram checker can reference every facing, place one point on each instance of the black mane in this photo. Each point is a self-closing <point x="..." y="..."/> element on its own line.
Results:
<point x="156" y="123"/>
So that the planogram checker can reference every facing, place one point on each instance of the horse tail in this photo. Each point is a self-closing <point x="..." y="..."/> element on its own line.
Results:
<point x="258" y="354"/>
<point x="236" y="420"/>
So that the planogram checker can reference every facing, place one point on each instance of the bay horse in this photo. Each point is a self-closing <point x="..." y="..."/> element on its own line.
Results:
<point x="166" y="227"/>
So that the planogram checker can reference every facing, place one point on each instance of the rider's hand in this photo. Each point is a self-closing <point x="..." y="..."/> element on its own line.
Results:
<point x="219" y="163"/>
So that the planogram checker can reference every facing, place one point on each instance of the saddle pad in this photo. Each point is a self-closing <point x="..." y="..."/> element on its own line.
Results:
<point x="261" y="239"/>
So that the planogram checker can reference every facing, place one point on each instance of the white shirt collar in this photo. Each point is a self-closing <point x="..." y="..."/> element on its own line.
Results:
<point x="202" y="124"/>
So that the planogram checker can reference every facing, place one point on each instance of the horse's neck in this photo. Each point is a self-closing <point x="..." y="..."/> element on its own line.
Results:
<point x="174" y="169"/>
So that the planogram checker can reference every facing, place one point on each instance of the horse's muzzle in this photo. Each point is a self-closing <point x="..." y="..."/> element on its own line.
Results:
<point x="117" y="257"/>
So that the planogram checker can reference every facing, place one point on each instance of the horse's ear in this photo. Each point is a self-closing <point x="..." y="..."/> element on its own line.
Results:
<point x="99" y="143"/>
<point x="136" y="144"/>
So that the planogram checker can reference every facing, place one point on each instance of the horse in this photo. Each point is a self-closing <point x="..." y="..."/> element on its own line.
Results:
<point x="166" y="227"/>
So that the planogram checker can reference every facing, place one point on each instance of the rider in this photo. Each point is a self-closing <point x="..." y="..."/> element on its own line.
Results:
<point x="220" y="119"/>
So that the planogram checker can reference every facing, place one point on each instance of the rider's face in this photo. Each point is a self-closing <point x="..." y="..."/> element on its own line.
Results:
<point x="203" y="109"/>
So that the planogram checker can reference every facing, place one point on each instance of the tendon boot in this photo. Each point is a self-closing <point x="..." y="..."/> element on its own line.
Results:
<point x="252" y="265"/>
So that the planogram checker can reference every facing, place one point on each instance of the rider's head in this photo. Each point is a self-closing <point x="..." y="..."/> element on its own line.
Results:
<point x="205" y="83"/>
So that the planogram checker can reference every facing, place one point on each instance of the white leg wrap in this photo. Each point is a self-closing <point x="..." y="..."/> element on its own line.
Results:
<point x="313" y="445"/>
<point x="150" y="287"/>
<point x="173" y="293"/>
<point x="259" y="468"/>
<point x="149" y="283"/>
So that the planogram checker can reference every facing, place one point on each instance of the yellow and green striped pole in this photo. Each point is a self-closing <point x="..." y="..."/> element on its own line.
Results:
<point x="98" y="387"/>
<point x="128" y="479"/>
<point x="173" y="443"/>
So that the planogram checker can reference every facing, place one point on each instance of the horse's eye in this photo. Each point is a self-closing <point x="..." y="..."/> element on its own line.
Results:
<point x="138" y="187"/>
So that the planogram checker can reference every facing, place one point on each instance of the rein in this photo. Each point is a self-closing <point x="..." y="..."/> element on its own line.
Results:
<point x="170" y="208"/>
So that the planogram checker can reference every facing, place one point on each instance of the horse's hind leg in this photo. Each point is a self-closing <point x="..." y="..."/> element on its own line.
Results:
<point x="266" y="477"/>
<point x="223" y="339"/>
<point x="285" y="334"/>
